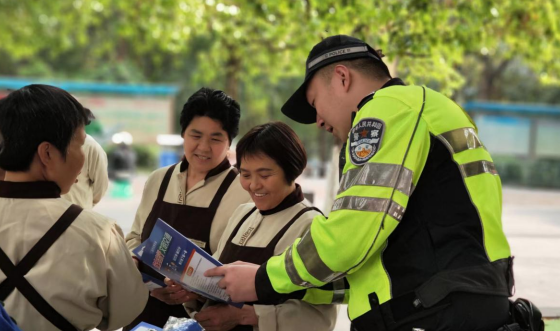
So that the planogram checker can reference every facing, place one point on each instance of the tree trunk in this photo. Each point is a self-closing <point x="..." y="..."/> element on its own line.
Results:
<point x="233" y="68"/>
<point x="490" y="73"/>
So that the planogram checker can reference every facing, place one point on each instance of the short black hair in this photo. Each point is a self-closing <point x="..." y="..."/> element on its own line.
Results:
<point x="369" y="67"/>
<point x="277" y="141"/>
<point x="35" y="114"/>
<point x="214" y="104"/>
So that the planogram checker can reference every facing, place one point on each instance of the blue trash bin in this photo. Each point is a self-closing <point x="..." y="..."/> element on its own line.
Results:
<point x="167" y="158"/>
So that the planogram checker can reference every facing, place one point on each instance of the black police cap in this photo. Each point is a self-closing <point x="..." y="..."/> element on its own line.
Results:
<point x="329" y="50"/>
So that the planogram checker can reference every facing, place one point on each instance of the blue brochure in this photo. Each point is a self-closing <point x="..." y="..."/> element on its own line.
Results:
<point x="176" y="257"/>
<point x="143" y="326"/>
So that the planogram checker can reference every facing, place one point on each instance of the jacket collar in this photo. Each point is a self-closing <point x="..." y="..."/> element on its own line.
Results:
<point x="224" y="165"/>
<point x="391" y="82"/>
<point x="29" y="190"/>
<point x="292" y="199"/>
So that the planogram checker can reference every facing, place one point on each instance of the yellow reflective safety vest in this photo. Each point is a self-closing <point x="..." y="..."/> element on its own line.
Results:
<point x="417" y="216"/>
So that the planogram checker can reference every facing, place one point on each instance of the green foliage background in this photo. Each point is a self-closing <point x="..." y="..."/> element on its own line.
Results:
<point x="256" y="50"/>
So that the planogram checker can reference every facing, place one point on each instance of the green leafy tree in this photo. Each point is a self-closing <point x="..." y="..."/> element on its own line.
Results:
<point x="256" y="50"/>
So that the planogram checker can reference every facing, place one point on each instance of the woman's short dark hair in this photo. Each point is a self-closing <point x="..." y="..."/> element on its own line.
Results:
<point x="34" y="114"/>
<point x="214" y="104"/>
<point x="277" y="141"/>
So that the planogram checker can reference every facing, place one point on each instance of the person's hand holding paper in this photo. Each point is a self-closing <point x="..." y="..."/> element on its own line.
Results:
<point x="225" y="317"/>
<point x="174" y="256"/>
<point x="173" y="293"/>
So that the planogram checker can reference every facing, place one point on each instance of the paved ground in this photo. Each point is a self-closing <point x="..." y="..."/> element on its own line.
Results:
<point x="530" y="219"/>
<point x="552" y="325"/>
<point x="532" y="225"/>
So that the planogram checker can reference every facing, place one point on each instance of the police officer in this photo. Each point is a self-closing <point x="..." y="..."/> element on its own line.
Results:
<point x="416" y="226"/>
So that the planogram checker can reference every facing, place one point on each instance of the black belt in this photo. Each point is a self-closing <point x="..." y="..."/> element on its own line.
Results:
<point x="494" y="278"/>
<point x="15" y="274"/>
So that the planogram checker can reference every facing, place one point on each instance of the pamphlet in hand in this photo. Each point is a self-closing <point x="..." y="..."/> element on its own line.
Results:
<point x="176" y="257"/>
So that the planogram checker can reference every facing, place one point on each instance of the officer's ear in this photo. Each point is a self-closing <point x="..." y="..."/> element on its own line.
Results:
<point x="343" y="75"/>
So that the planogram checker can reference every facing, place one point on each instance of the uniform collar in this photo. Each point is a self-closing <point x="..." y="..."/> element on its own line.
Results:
<point x="225" y="165"/>
<point x="292" y="199"/>
<point x="29" y="190"/>
<point x="393" y="82"/>
<point x="390" y="82"/>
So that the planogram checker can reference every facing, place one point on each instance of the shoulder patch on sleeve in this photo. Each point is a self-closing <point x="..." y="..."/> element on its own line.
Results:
<point x="365" y="140"/>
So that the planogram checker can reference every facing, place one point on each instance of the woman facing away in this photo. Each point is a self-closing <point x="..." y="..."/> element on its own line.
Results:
<point x="269" y="157"/>
<point x="61" y="267"/>
<point x="195" y="196"/>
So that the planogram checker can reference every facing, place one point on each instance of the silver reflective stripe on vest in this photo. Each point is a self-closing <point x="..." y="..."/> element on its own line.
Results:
<point x="312" y="261"/>
<point x="477" y="168"/>
<point x="292" y="271"/>
<point x="339" y="291"/>
<point x="378" y="174"/>
<point x="460" y="140"/>
<point x="370" y="204"/>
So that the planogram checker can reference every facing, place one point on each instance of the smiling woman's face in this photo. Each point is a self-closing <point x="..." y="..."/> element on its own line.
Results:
<point x="265" y="181"/>
<point x="205" y="144"/>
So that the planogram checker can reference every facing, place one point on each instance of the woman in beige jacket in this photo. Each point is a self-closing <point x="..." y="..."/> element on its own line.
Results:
<point x="196" y="196"/>
<point x="256" y="231"/>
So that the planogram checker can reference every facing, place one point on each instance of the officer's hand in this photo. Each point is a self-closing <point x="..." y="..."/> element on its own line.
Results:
<point x="242" y="263"/>
<point x="238" y="281"/>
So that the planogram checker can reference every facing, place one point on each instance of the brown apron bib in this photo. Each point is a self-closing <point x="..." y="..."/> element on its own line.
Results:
<point x="257" y="255"/>
<point x="194" y="223"/>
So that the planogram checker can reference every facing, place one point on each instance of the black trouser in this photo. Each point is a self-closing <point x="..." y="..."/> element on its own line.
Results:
<point x="464" y="312"/>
